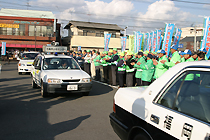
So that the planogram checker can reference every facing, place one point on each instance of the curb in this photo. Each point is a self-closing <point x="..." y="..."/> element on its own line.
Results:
<point x="105" y="84"/>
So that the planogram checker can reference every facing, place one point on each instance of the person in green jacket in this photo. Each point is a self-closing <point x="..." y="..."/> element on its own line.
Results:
<point x="138" y="74"/>
<point x="182" y="57"/>
<point x="104" y="66"/>
<point x="195" y="56"/>
<point x="174" y="59"/>
<point x="187" y="56"/>
<point x="205" y="52"/>
<point x="160" y="68"/>
<point x="148" y="71"/>
<point x="97" y="66"/>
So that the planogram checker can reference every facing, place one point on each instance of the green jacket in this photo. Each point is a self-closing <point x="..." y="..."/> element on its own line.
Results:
<point x="160" y="68"/>
<point x="182" y="59"/>
<point x="139" y="70"/>
<point x="190" y="59"/>
<point x="97" y="58"/>
<point x="103" y="62"/>
<point x="175" y="58"/>
<point x="148" y="71"/>
<point x="206" y="57"/>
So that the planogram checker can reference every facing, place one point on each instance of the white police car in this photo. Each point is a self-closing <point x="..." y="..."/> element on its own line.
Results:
<point x="175" y="106"/>
<point x="59" y="74"/>
<point x="25" y="62"/>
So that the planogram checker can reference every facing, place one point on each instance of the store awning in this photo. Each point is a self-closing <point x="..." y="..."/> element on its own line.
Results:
<point x="22" y="46"/>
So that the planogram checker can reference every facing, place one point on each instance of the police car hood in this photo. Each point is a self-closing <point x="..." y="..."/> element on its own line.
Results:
<point x="26" y="61"/>
<point x="132" y="99"/>
<point x="66" y="74"/>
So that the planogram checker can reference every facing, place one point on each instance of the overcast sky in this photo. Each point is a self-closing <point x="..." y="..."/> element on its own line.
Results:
<point x="138" y="15"/>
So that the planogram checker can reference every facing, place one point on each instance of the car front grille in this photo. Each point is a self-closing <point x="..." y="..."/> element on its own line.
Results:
<point x="71" y="80"/>
<point x="29" y="64"/>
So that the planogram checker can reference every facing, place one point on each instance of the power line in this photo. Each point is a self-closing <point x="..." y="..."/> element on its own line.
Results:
<point x="191" y="2"/>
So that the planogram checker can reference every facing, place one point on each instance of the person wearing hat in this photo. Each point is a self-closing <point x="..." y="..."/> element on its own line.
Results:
<point x="110" y="56"/>
<point x="129" y="66"/>
<point x="187" y="56"/>
<point x="174" y="59"/>
<point x="104" y="67"/>
<point x="205" y="52"/>
<point x="87" y="59"/>
<point x="138" y="74"/>
<point x="148" y="71"/>
<point x="121" y="69"/>
<point x="201" y="56"/>
<point x="160" y="68"/>
<point x="114" y="60"/>
<point x="92" y="65"/>
<point x="80" y="59"/>
<point x="182" y="56"/>
<point x="195" y="55"/>
<point x="97" y="66"/>
<point x="145" y="53"/>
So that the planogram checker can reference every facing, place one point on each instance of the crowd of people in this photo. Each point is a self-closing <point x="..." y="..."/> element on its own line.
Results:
<point x="128" y="69"/>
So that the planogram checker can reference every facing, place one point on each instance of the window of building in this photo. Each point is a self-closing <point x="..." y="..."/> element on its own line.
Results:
<point x="85" y="33"/>
<point x="41" y="31"/>
<point x="13" y="31"/>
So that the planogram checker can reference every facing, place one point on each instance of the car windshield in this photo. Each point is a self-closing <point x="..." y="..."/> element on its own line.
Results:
<point x="59" y="63"/>
<point x="29" y="56"/>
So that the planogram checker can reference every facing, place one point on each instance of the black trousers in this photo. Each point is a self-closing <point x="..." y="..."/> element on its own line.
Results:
<point x="146" y="83"/>
<point x="129" y="79"/>
<point x="87" y="68"/>
<point x="114" y="75"/>
<point x="139" y="82"/>
<point x="121" y="79"/>
<point x="110" y="74"/>
<point x="97" y="68"/>
<point x="105" y="69"/>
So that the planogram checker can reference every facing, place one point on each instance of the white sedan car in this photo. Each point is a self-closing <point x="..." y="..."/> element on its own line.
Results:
<point x="59" y="74"/>
<point x="25" y="62"/>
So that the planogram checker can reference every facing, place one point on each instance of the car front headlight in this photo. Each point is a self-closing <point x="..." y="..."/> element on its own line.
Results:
<point x="53" y="81"/>
<point x="86" y="80"/>
<point x="21" y="64"/>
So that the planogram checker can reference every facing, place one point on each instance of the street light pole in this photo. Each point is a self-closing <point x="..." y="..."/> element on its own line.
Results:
<point x="195" y="46"/>
<point x="35" y="37"/>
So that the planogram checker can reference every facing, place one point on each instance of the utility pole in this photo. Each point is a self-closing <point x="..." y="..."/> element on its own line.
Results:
<point x="195" y="45"/>
<point x="27" y="4"/>
<point x="35" y="36"/>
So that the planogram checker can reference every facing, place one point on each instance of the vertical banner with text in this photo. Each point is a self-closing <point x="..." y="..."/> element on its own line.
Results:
<point x="159" y="40"/>
<point x="154" y="44"/>
<point x="106" y="41"/>
<point x="138" y="41"/>
<point x="146" y="35"/>
<point x="131" y="42"/>
<point x="79" y="48"/>
<point x="150" y="41"/>
<point x="168" y="38"/>
<point x="3" y="48"/>
<point x="206" y="36"/>
<point x="123" y="43"/>
<point x="177" y="37"/>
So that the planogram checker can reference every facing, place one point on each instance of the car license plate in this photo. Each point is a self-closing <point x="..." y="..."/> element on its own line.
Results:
<point x="72" y="87"/>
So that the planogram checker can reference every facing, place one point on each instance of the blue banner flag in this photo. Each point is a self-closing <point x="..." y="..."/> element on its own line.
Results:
<point x="106" y="41"/>
<point x="3" y="48"/>
<point x="177" y="37"/>
<point x="154" y="44"/>
<point x="138" y="41"/>
<point x="146" y="38"/>
<point x="150" y="41"/>
<point x="123" y="43"/>
<point x="206" y="36"/>
<point x="168" y="38"/>
<point x="79" y="48"/>
<point x="159" y="40"/>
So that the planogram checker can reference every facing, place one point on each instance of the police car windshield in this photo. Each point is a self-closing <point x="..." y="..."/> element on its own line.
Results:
<point x="59" y="64"/>
<point x="29" y="56"/>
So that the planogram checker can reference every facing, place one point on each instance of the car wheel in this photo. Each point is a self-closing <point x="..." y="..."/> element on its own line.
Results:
<point x="20" y="73"/>
<point x="85" y="93"/>
<point x="43" y="91"/>
<point x="33" y="84"/>
<point x="141" y="137"/>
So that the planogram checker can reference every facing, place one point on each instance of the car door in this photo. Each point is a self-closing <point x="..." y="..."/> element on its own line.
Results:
<point x="182" y="109"/>
<point x="37" y="70"/>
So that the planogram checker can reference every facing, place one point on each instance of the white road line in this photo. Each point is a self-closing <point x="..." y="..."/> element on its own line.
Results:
<point x="106" y="84"/>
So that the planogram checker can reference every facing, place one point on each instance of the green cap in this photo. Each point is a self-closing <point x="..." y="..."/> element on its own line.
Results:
<point x="129" y="53"/>
<point x="146" y="52"/>
<point x="88" y="50"/>
<point x="115" y="49"/>
<point x="122" y="54"/>
<point x="111" y="51"/>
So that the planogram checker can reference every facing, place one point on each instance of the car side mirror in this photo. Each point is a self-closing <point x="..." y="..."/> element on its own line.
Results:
<point x="38" y="67"/>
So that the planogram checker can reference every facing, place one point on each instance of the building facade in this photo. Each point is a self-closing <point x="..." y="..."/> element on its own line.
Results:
<point x="190" y="31"/>
<point x="90" y="35"/>
<point x="28" y="29"/>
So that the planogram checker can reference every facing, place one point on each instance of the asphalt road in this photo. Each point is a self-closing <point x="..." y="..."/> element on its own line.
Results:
<point x="25" y="115"/>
